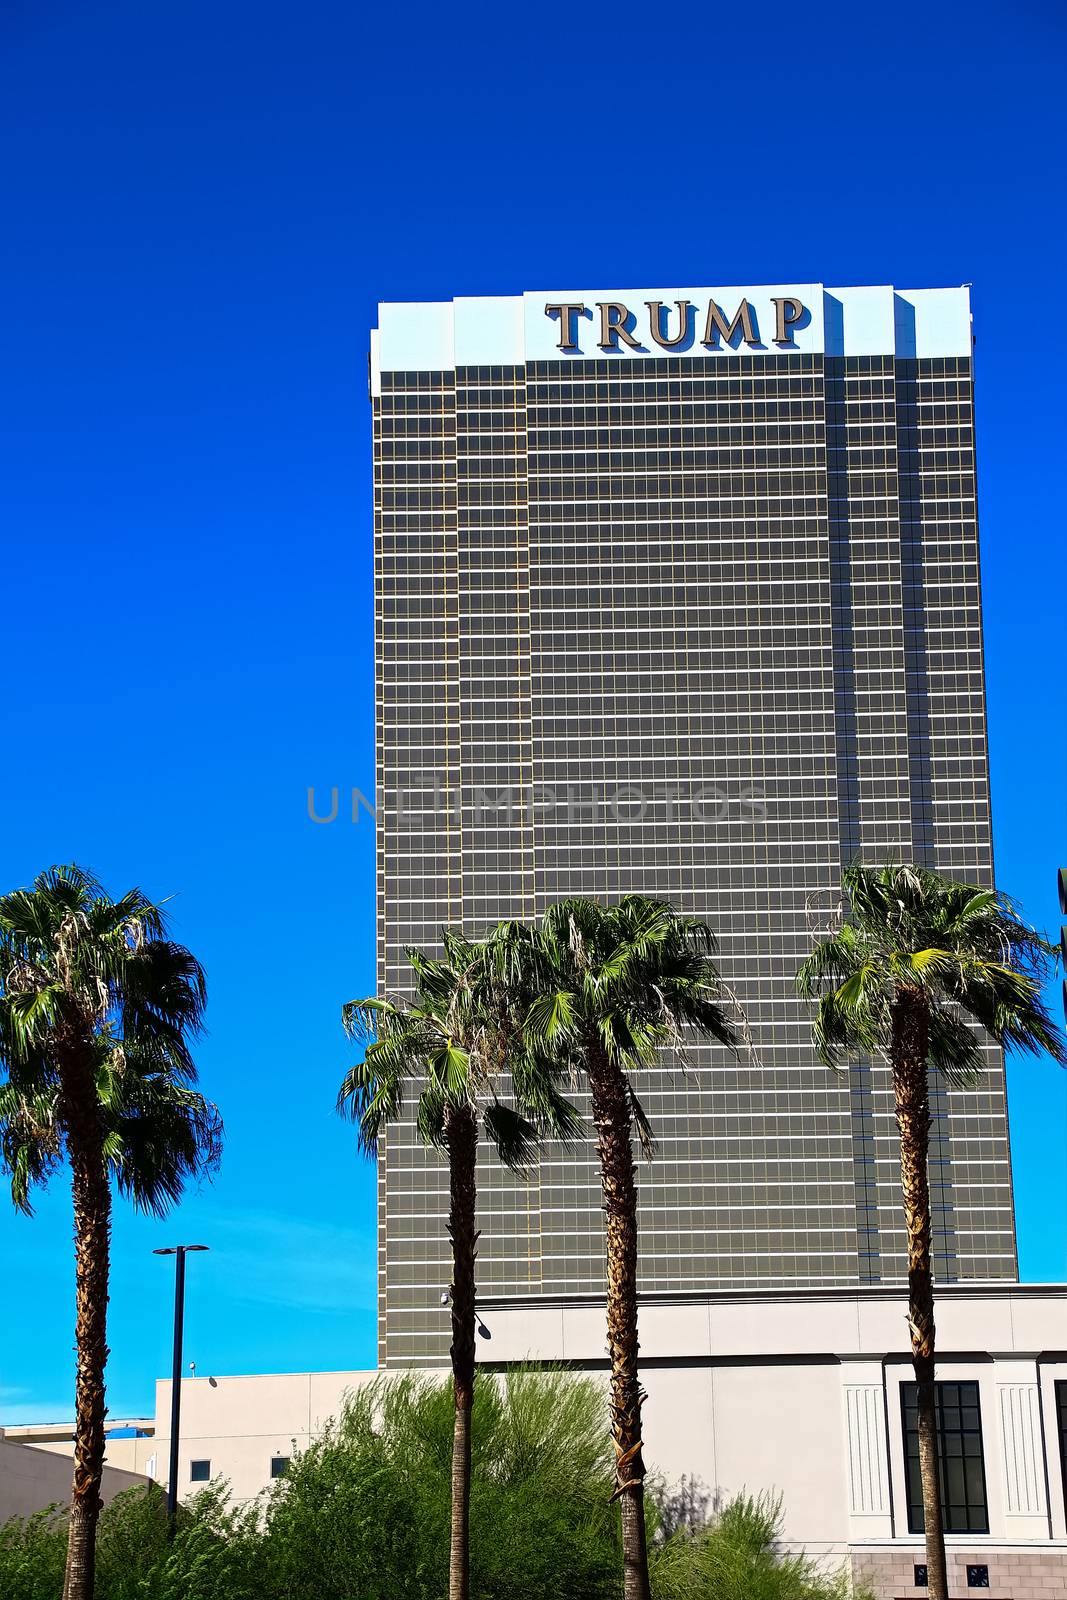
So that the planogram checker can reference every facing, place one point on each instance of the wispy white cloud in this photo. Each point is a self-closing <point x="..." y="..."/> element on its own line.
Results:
<point x="268" y="1258"/>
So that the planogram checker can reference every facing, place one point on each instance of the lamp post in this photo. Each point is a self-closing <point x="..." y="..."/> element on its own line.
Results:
<point x="179" y="1252"/>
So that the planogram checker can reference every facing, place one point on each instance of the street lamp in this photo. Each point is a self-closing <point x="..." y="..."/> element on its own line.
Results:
<point x="179" y="1252"/>
<point x="446" y="1299"/>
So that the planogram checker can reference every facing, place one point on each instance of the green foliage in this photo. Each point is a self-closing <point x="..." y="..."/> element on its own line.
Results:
<point x="625" y="981"/>
<point x="215" y="1555"/>
<point x="33" y="1555"/>
<point x="450" y="1045"/>
<point x="76" y="965"/>
<point x="961" y="950"/>
<point x="364" y="1513"/>
<point x="738" y="1557"/>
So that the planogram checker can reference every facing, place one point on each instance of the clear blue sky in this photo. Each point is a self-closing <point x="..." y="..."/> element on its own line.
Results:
<point x="201" y="204"/>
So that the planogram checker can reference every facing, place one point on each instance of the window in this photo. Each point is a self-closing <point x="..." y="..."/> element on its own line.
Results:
<point x="978" y="1576"/>
<point x="279" y="1466"/>
<point x="1061" y="1419"/>
<point x="921" y="1580"/>
<point x="960" y="1460"/>
<point x="199" y="1471"/>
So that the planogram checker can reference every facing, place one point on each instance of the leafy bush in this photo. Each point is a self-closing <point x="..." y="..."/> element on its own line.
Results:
<point x="33" y="1556"/>
<point x="364" y="1513"/>
<point x="213" y="1555"/>
<point x="738" y="1557"/>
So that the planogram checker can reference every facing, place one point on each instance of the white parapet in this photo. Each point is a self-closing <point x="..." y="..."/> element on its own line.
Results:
<point x="639" y="324"/>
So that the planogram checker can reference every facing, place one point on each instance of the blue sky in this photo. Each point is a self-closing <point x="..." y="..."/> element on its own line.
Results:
<point x="201" y="205"/>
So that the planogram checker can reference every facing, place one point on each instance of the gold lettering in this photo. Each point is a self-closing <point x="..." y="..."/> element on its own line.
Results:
<point x="613" y="319"/>
<point x="655" y="322"/>
<point x="788" y="311"/>
<point x="568" y="315"/>
<point x="717" y="323"/>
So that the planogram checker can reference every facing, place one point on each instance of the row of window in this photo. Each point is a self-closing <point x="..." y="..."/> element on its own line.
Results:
<point x="200" y="1470"/>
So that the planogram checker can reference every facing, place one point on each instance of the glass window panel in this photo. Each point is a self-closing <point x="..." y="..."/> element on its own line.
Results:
<point x="960" y="1459"/>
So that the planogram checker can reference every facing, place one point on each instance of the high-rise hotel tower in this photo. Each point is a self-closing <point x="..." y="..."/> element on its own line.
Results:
<point x="677" y="591"/>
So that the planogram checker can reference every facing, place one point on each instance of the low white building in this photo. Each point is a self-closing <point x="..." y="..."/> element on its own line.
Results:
<point x="36" y="1467"/>
<point x="802" y="1392"/>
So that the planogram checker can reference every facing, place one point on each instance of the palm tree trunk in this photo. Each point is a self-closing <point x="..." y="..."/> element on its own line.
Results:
<point x="92" y="1236"/>
<point x="910" y="1039"/>
<point x="462" y="1133"/>
<point x="611" y="1116"/>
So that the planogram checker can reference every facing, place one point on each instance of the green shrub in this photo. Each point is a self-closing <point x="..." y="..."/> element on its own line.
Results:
<point x="364" y="1513"/>
<point x="214" y="1555"/>
<point x="738" y="1557"/>
<point x="33" y="1556"/>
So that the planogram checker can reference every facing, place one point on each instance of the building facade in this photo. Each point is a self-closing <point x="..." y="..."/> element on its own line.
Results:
<point x="800" y="1392"/>
<point x="678" y="592"/>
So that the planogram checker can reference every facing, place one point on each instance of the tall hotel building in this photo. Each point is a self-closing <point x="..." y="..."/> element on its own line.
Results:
<point x="677" y="592"/>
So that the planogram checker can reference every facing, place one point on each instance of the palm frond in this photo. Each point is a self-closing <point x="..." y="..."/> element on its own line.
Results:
<point x="456" y="1042"/>
<point x="840" y="1031"/>
<point x="30" y="1141"/>
<point x="161" y="1135"/>
<point x="550" y="1017"/>
<point x="360" y="1018"/>
<point x="430" y="1116"/>
<point x="512" y="1136"/>
<point x="953" y="1047"/>
<point x="553" y="1114"/>
<point x="963" y="946"/>
<point x="641" y="1122"/>
<point x="831" y="961"/>
<point x="103" y="976"/>
<point x="449" y="1066"/>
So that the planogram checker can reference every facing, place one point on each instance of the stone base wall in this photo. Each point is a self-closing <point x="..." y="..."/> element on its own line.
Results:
<point x="1015" y="1573"/>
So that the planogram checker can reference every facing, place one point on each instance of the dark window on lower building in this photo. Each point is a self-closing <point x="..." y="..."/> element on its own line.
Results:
<point x="1061" y="1420"/>
<point x="921" y="1580"/>
<point x="279" y="1466"/>
<point x="960" y="1459"/>
<point x="199" y="1471"/>
<point x="978" y="1576"/>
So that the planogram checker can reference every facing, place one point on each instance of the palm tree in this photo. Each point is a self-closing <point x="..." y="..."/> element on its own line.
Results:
<point x="918" y="958"/>
<point x="452" y="1042"/>
<point x="612" y="985"/>
<point x="97" y="1007"/>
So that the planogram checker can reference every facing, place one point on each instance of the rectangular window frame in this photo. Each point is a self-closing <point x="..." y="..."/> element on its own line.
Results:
<point x="1060" y="1396"/>
<point x="953" y="1396"/>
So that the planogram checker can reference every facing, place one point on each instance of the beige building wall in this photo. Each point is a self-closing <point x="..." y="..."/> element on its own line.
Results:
<point x="131" y="1454"/>
<point x="799" y="1392"/>
<point x="239" y="1424"/>
<point x="33" y="1479"/>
